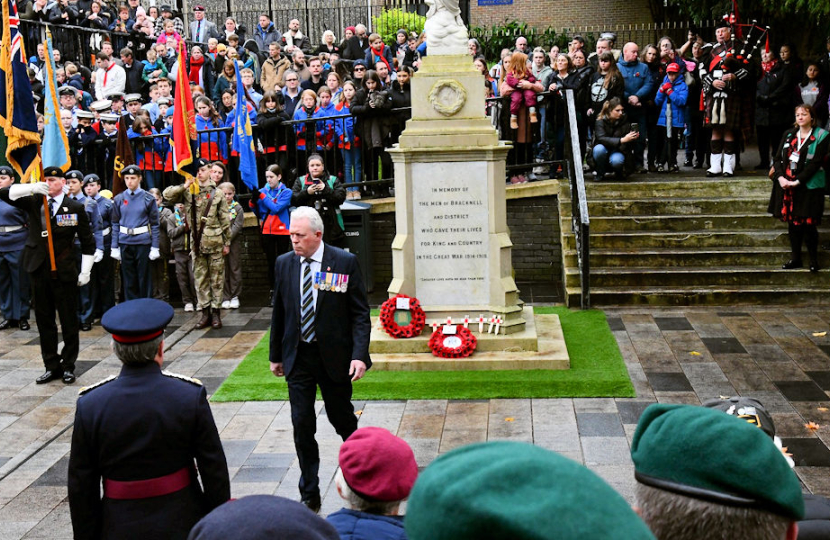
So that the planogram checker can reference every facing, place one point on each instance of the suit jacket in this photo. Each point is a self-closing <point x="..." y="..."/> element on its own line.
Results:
<point x="342" y="324"/>
<point x="36" y="252"/>
<point x="209" y="30"/>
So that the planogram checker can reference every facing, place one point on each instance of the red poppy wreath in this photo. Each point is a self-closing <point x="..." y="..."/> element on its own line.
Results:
<point x="391" y="327"/>
<point x="459" y="345"/>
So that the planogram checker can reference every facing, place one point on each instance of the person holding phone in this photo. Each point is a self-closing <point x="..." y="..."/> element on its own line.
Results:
<point x="324" y="193"/>
<point x="614" y="141"/>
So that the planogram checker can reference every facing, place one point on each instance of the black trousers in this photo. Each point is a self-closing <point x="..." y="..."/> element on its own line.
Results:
<point x="306" y="375"/>
<point x="768" y="139"/>
<point x="103" y="284"/>
<point x="804" y="234"/>
<point x="51" y="295"/>
<point x="135" y="271"/>
<point x="274" y="245"/>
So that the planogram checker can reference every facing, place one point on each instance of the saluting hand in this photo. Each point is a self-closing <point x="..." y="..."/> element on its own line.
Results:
<point x="357" y="369"/>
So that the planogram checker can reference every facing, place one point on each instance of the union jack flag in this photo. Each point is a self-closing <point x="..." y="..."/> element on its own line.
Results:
<point x="17" y="107"/>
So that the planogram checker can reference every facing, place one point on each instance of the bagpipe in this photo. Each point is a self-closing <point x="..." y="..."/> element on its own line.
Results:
<point x="754" y="37"/>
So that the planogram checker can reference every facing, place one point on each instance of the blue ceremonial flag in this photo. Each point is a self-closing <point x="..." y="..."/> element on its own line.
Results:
<point x="55" y="144"/>
<point x="243" y="138"/>
<point x="17" y="107"/>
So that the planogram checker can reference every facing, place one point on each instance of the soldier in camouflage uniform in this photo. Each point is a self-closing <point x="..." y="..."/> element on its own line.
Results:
<point x="211" y="239"/>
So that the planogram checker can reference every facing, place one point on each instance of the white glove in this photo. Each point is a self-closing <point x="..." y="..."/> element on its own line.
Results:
<point x="115" y="253"/>
<point x="98" y="256"/>
<point x="18" y="191"/>
<point x="154" y="254"/>
<point x="86" y="268"/>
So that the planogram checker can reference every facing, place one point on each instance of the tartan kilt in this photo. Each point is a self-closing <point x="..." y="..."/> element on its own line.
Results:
<point x="734" y="118"/>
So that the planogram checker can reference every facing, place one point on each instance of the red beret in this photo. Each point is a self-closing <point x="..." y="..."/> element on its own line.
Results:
<point x="378" y="465"/>
<point x="352" y="28"/>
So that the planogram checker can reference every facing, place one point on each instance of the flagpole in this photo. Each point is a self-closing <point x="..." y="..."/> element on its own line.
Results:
<point x="48" y="213"/>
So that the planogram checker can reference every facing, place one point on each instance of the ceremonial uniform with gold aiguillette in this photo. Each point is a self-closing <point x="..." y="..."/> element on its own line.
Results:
<point x="209" y="237"/>
<point x="148" y="435"/>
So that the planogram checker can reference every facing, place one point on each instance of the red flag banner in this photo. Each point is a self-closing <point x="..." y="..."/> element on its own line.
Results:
<point x="183" y="138"/>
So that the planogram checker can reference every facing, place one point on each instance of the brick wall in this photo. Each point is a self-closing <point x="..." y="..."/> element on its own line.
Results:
<point x="534" y="227"/>
<point x="562" y="13"/>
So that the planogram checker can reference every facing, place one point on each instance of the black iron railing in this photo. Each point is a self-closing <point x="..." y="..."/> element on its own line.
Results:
<point x="579" y="201"/>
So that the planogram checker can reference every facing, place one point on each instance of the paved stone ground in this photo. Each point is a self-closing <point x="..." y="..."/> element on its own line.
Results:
<point x="673" y="355"/>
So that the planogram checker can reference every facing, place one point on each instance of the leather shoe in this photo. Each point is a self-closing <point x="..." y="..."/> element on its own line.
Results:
<point x="814" y="268"/>
<point x="204" y="322"/>
<point x="215" y="320"/>
<point x="791" y="264"/>
<point x="8" y="323"/>
<point x="68" y="377"/>
<point x="86" y="327"/>
<point x="24" y="324"/>
<point x="312" y="502"/>
<point x="49" y="376"/>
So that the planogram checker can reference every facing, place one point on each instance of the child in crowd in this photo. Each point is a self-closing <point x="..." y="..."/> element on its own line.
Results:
<point x="144" y="24"/>
<point x="326" y="143"/>
<point x="378" y="52"/>
<point x="73" y="78"/>
<point x="272" y="136"/>
<point x="178" y="230"/>
<point x="158" y="267"/>
<point x="153" y="68"/>
<point x="149" y="151"/>
<point x="516" y="72"/>
<point x="233" y="261"/>
<point x="213" y="45"/>
<point x="271" y="208"/>
<point x="671" y="100"/>
<point x="308" y="133"/>
<point x="170" y="38"/>
<point x="212" y="146"/>
<point x="347" y="140"/>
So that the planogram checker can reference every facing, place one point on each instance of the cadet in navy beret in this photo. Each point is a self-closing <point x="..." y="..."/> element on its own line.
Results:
<point x="148" y="434"/>
<point x="377" y="472"/>
<point x="131" y="169"/>
<point x="704" y="474"/>
<point x="263" y="517"/>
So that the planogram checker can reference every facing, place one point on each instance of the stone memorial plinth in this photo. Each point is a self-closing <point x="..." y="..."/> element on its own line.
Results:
<point x="452" y="248"/>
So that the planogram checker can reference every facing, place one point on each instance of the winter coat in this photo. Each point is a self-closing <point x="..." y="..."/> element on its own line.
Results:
<point x="609" y="134"/>
<point x="271" y="130"/>
<point x="373" y="126"/>
<point x="354" y="525"/>
<point x="347" y="137"/>
<point x="808" y="196"/>
<point x="774" y="100"/>
<point x="273" y="72"/>
<point x="326" y="202"/>
<point x="263" y="37"/>
<point x="676" y="98"/>
<point x="598" y="94"/>
<point x="638" y="79"/>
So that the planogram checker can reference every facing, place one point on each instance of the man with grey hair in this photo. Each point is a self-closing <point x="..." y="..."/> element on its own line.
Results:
<point x="145" y="433"/>
<point x="319" y="337"/>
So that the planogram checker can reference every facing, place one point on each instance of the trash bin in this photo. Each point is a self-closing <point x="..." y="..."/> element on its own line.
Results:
<point x="358" y="231"/>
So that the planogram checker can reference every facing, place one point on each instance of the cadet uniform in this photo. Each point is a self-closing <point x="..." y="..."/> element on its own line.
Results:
<point x="150" y="436"/>
<point x="233" y="262"/>
<point x="179" y="233"/>
<point x="161" y="281"/>
<point x="82" y="143"/>
<point x="135" y="230"/>
<point x="85" y="305"/>
<point x="105" y="143"/>
<point x="14" y="282"/>
<point x="60" y="291"/>
<point x="103" y="273"/>
<point x="209" y="238"/>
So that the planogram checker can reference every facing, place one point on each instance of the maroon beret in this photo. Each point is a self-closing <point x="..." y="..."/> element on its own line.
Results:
<point x="378" y="465"/>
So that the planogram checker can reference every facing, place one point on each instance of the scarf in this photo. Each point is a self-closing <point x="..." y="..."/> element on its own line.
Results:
<point x="195" y="70"/>
<point x="107" y="71"/>
<point x="380" y="56"/>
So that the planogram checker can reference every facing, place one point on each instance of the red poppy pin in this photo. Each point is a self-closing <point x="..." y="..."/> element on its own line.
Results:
<point x="126" y="201"/>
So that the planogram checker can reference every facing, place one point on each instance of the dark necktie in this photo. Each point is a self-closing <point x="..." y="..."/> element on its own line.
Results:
<point x="51" y="206"/>
<point x="199" y="31"/>
<point x="307" y="304"/>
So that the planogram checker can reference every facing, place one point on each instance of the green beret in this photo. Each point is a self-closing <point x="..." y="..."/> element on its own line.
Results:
<point x="706" y="454"/>
<point x="516" y="491"/>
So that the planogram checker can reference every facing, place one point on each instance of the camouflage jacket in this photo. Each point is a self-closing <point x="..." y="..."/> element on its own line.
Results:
<point x="217" y="228"/>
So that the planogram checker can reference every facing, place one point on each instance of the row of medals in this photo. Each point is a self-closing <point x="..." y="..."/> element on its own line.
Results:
<point x="341" y="285"/>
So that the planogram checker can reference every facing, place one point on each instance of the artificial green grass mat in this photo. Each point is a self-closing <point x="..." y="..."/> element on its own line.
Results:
<point x="597" y="370"/>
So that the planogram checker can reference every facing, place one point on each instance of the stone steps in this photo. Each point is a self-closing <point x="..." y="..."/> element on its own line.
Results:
<point x="687" y="241"/>
<point x="756" y="257"/>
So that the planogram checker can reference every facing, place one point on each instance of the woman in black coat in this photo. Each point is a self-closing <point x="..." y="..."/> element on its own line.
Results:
<point x="798" y="183"/>
<point x="401" y="95"/>
<point x="613" y="141"/>
<point x="371" y="110"/>
<point x="773" y="105"/>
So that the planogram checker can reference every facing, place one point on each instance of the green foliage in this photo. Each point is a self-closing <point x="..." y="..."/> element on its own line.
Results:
<point x="503" y="36"/>
<point x="392" y="20"/>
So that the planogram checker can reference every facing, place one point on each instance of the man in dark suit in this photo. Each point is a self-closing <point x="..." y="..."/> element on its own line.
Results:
<point x="54" y="290"/>
<point x="149" y="435"/>
<point x="319" y="337"/>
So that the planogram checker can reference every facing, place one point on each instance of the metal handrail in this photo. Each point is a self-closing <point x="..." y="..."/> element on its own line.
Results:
<point x="579" y="201"/>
